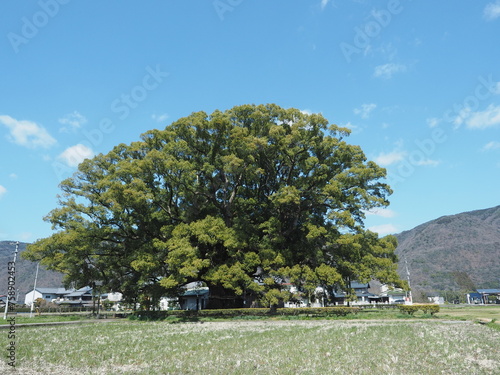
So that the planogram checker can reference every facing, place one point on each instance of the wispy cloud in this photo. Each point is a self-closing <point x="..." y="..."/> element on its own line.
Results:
<point x="388" y="70"/>
<point x="324" y="3"/>
<point x="493" y="145"/>
<point x="385" y="213"/>
<point x="353" y="128"/>
<point x="386" y="159"/>
<point x="27" y="133"/>
<point x="384" y="229"/>
<point x="483" y="119"/>
<point x="492" y="10"/>
<point x="160" y="118"/>
<point x="74" y="155"/>
<point x="365" y="110"/>
<point x="72" y="121"/>
<point x="2" y="191"/>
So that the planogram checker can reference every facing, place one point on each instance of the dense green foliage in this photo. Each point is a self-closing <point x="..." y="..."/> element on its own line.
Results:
<point x="241" y="200"/>
<point x="425" y="308"/>
<point x="253" y="312"/>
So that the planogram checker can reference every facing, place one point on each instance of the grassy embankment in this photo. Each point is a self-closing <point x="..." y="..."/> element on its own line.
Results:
<point x="476" y="313"/>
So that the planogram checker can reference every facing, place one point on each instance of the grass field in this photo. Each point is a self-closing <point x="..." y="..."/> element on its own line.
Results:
<point x="431" y="346"/>
<point x="471" y="312"/>
<point x="23" y="319"/>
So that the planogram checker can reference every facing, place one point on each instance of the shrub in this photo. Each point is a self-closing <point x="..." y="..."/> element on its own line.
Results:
<point x="408" y="309"/>
<point x="236" y="313"/>
<point x="318" y="311"/>
<point x="425" y="308"/>
<point x="430" y="309"/>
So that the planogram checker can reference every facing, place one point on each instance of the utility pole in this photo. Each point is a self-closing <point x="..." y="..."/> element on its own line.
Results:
<point x="34" y="289"/>
<point x="410" y="299"/>
<point x="12" y="280"/>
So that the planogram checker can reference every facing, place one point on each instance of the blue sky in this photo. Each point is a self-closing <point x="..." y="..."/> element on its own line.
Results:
<point x="418" y="83"/>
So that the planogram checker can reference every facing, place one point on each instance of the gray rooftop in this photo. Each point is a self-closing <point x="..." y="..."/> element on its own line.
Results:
<point x="60" y="291"/>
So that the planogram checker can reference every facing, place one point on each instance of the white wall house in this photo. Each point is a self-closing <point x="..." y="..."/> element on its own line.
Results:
<point x="115" y="296"/>
<point x="61" y="296"/>
<point x="48" y="294"/>
<point x="435" y="299"/>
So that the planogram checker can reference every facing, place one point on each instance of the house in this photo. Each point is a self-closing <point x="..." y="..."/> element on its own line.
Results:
<point x="474" y="298"/>
<point x="302" y="300"/>
<point x="48" y="294"/>
<point x="194" y="299"/>
<point x="115" y="298"/>
<point x="435" y="298"/>
<point x="489" y="295"/>
<point x="61" y="296"/>
<point x="363" y="295"/>
<point x="80" y="297"/>
<point x="396" y="295"/>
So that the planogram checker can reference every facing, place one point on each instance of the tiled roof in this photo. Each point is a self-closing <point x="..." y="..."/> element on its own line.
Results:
<point x="53" y="291"/>
<point x="195" y="292"/>
<point x="356" y="285"/>
<point x="489" y="291"/>
<point x="80" y="292"/>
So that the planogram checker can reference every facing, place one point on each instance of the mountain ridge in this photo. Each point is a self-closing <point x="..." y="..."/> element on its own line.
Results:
<point x="25" y="271"/>
<point x="453" y="252"/>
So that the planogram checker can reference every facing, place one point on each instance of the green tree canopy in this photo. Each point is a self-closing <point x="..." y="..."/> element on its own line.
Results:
<point x="241" y="199"/>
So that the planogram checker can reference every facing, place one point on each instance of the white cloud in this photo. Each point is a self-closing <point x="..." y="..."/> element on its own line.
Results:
<point x="74" y="155"/>
<point x="491" y="146"/>
<point x="492" y="11"/>
<point x="2" y="191"/>
<point x="384" y="229"/>
<point x="75" y="121"/>
<point x="160" y="118"/>
<point x="483" y="119"/>
<point x="388" y="70"/>
<point x="385" y="159"/>
<point x="352" y="127"/>
<point x="365" y="110"/>
<point x="13" y="176"/>
<point x="27" y="133"/>
<point x="385" y="213"/>
<point x="461" y="117"/>
<point x="324" y="3"/>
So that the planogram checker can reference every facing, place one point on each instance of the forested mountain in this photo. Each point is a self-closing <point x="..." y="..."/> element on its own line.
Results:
<point x="458" y="252"/>
<point x="25" y="271"/>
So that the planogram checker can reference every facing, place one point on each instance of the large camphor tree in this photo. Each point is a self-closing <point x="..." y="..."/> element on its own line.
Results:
<point x="242" y="200"/>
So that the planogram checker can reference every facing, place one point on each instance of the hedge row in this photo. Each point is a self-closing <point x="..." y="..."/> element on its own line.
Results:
<point x="425" y="308"/>
<point x="319" y="311"/>
<point x="58" y="309"/>
<point x="257" y="312"/>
